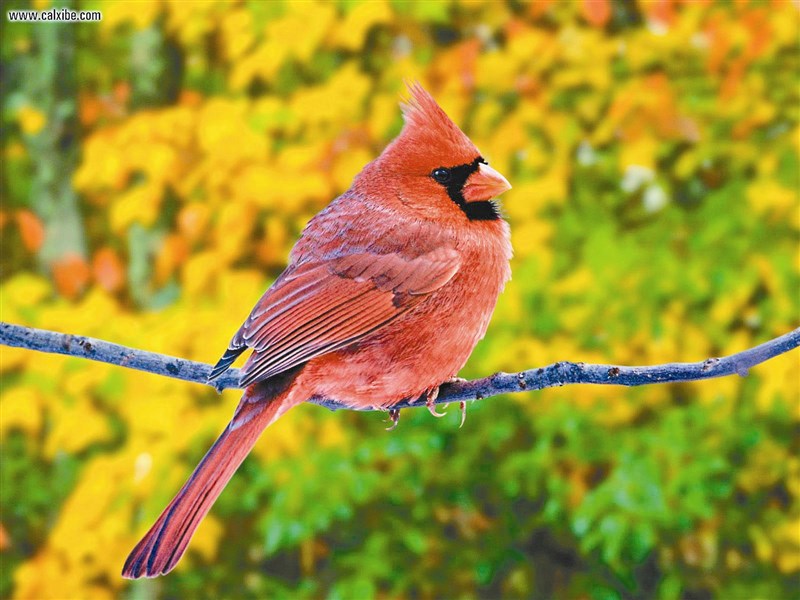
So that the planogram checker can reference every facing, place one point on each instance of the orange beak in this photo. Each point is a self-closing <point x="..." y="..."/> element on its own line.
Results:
<point x="484" y="184"/>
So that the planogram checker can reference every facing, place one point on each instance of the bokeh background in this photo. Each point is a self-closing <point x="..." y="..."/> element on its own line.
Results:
<point x="157" y="167"/>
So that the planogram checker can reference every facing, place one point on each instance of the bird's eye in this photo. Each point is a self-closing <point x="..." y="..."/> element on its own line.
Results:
<point x="441" y="175"/>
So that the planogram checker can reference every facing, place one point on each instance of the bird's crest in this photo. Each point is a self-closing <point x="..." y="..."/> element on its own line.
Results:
<point x="428" y="125"/>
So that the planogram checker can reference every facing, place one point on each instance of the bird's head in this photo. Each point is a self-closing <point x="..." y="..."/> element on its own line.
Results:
<point x="435" y="168"/>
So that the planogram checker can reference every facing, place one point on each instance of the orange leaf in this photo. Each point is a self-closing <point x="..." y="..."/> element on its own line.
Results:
<point x="720" y="42"/>
<point x="5" y="539"/>
<point x="31" y="230"/>
<point x="659" y="11"/>
<point x="731" y="84"/>
<point x="758" y="26"/>
<point x="539" y="7"/>
<point x="121" y="92"/>
<point x="596" y="12"/>
<point x="192" y="220"/>
<point x="71" y="274"/>
<point x="108" y="269"/>
<point x="190" y="98"/>
<point x="89" y="109"/>
<point x="174" y="252"/>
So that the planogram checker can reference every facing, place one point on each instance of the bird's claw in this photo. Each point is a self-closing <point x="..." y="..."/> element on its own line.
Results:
<point x="432" y="410"/>
<point x="394" y="417"/>
<point x="463" y="408"/>
<point x="430" y="402"/>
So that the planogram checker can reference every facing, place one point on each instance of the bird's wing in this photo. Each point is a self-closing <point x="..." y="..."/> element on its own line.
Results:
<point x="324" y="306"/>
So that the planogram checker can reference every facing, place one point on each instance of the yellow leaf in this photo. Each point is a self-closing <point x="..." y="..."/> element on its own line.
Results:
<point x="205" y="540"/>
<point x="347" y="165"/>
<point x="351" y="33"/>
<point x="23" y="290"/>
<point x="769" y="197"/>
<point x="273" y="248"/>
<point x="138" y="205"/>
<point x="199" y="271"/>
<point x="22" y="410"/>
<point x="640" y="152"/>
<point x="75" y="427"/>
<point x="31" y="120"/>
<point x="141" y="13"/>
<point x="237" y="32"/>
<point x="236" y="221"/>
<point x="530" y="238"/>
<point x="383" y="113"/>
<point x="301" y="30"/>
<point x="331" y="433"/>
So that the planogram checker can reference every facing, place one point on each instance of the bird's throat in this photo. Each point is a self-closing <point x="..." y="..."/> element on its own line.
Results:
<point x="479" y="211"/>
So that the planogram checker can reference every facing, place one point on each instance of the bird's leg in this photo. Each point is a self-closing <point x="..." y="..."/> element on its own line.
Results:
<point x="462" y="406"/>
<point x="394" y="417"/>
<point x="430" y="401"/>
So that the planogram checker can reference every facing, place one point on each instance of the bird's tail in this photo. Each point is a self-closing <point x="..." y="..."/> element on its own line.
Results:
<point x="163" y="545"/>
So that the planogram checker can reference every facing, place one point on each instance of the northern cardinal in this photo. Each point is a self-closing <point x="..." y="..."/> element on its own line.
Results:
<point x="386" y="293"/>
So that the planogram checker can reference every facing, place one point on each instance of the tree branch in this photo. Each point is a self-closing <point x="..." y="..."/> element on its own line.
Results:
<point x="557" y="374"/>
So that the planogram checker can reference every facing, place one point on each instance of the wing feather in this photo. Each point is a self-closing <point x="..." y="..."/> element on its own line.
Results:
<point x="303" y="354"/>
<point x="317" y="308"/>
<point x="312" y="306"/>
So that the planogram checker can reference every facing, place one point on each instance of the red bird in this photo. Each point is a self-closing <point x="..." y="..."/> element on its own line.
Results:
<point x="387" y="292"/>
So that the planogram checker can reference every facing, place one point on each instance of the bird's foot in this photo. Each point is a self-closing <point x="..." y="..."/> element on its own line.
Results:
<point x="430" y="401"/>
<point x="463" y="407"/>
<point x="455" y="379"/>
<point x="394" y="417"/>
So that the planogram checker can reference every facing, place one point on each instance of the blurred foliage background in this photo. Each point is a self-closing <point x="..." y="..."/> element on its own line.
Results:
<point x="157" y="167"/>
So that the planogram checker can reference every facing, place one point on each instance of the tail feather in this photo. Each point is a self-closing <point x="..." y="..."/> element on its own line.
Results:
<point x="164" y="544"/>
